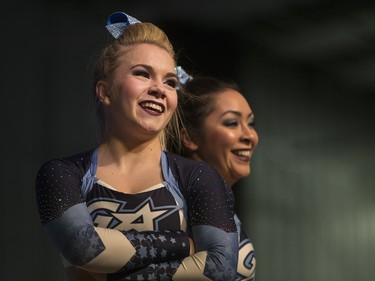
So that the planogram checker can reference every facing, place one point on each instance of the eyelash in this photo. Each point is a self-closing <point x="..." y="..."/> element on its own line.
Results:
<point x="170" y="82"/>
<point x="235" y="124"/>
<point x="230" y="123"/>
<point x="141" y="73"/>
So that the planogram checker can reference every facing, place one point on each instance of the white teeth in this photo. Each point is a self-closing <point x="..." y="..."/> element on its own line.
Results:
<point x="153" y="106"/>
<point x="245" y="153"/>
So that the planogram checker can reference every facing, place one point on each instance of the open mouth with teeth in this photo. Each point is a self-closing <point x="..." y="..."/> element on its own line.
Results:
<point x="152" y="107"/>
<point x="243" y="154"/>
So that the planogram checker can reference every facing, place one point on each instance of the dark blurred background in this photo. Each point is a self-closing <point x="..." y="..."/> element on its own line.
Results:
<point x="307" y="68"/>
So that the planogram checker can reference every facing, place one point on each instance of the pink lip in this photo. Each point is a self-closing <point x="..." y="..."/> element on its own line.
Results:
<point x="242" y="157"/>
<point x="152" y="107"/>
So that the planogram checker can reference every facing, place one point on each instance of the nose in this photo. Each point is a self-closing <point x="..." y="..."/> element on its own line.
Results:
<point x="156" y="90"/>
<point x="249" y="136"/>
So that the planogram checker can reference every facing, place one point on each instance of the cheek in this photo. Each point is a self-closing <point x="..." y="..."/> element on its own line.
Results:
<point x="223" y="137"/>
<point x="219" y="139"/>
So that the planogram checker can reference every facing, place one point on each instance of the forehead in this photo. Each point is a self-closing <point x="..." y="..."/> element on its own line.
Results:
<point x="231" y="100"/>
<point x="146" y="54"/>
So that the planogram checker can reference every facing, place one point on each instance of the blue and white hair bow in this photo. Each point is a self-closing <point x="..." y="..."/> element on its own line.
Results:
<point x="183" y="77"/>
<point x="118" y="22"/>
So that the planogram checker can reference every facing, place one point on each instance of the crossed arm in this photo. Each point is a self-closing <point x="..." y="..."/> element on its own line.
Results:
<point x="155" y="255"/>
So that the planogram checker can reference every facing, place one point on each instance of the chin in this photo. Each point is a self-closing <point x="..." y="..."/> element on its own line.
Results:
<point x="242" y="174"/>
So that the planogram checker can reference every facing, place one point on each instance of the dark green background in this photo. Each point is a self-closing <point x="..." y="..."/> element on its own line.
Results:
<point x="308" y="70"/>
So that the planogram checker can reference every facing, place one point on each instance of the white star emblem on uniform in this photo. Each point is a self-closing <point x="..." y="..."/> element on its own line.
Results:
<point x="140" y="220"/>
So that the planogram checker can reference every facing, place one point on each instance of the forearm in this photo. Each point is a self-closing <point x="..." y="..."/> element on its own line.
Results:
<point x="109" y="250"/>
<point x="216" y="260"/>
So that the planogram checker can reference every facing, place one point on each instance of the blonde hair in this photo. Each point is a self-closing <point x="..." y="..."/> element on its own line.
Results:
<point x="134" y="34"/>
<point x="109" y="60"/>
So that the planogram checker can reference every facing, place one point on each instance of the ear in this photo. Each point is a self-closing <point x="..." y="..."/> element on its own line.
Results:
<point x="102" y="93"/>
<point x="187" y="141"/>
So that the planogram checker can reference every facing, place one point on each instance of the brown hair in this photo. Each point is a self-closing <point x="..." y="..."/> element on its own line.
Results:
<point x="199" y="102"/>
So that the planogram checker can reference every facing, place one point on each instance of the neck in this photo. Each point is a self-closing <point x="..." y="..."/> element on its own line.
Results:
<point x="114" y="150"/>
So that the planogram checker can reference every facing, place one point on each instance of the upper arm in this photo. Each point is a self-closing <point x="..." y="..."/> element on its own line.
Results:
<point x="210" y="200"/>
<point x="211" y="216"/>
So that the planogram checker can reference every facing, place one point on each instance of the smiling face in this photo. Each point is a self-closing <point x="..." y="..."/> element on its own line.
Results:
<point x="227" y="137"/>
<point x="141" y="98"/>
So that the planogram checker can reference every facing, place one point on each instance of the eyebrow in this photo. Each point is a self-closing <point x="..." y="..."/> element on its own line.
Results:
<point x="251" y="114"/>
